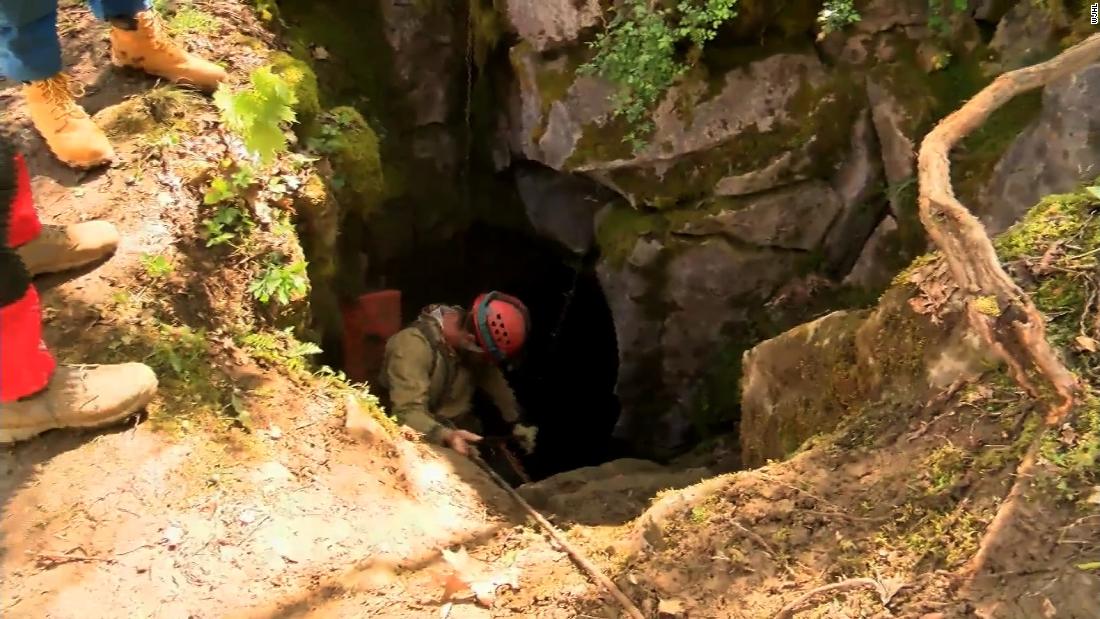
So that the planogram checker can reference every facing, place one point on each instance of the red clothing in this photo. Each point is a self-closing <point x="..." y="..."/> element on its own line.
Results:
<point x="25" y="364"/>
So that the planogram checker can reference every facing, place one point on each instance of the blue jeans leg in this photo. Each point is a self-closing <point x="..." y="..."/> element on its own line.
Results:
<point x="107" y="9"/>
<point x="29" y="49"/>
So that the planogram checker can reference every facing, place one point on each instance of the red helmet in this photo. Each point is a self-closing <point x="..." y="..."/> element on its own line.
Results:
<point x="500" y="325"/>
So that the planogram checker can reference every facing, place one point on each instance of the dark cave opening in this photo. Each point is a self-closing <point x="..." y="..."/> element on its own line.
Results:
<point x="566" y="379"/>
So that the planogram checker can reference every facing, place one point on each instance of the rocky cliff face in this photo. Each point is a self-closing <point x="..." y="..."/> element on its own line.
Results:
<point x="778" y="175"/>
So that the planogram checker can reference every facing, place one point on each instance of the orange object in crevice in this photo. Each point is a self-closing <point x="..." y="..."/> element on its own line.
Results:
<point x="369" y="321"/>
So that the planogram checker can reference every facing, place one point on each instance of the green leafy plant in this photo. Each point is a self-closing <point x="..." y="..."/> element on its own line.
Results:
<point x="835" y="15"/>
<point x="280" y="281"/>
<point x="156" y="267"/>
<point x="1094" y="191"/>
<point x="225" y="224"/>
<point x="257" y="115"/>
<point x="938" y="14"/>
<point x="280" y="347"/>
<point x="640" y="51"/>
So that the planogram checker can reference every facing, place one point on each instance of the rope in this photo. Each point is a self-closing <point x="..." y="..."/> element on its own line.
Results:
<point x="579" y="559"/>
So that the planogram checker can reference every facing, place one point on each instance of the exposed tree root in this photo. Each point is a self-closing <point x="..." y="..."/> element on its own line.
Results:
<point x="1016" y="331"/>
<point x="1005" y="512"/>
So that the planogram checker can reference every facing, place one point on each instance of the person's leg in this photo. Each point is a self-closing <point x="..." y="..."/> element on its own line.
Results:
<point x="31" y="53"/>
<point x="138" y="40"/>
<point x="107" y="10"/>
<point x="25" y="364"/>
<point x="36" y="395"/>
<point x="29" y="47"/>
<point x="53" y="248"/>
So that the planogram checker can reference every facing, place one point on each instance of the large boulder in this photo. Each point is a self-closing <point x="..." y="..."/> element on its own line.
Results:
<point x="552" y="24"/>
<point x="913" y="345"/>
<point x="1029" y="33"/>
<point x="793" y="217"/>
<point x="561" y="207"/>
<point x="1056" y="153"/>
<point x="754" y="127"/>
<point x="685" y="288"/>
<point x="797" y="385"/>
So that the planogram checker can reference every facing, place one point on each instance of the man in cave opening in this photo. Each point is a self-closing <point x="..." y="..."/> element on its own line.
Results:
<point x="432" y="368"/>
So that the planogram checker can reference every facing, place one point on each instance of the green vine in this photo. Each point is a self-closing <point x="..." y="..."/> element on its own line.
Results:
<point x="642" y="51"/>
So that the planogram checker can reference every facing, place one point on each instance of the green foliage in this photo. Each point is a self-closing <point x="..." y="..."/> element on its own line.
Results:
<point x="226" y="189"/>
<point x="225" y="224"/>
<point x="280" y="347"/>
<point x="180" y="352"/>
<point x="1094" y="191"/>
<point x="280" y="281"/>
<point x="156" y="267"/>
<point x="189" y="20"/>
<point x="257" y="115"/>
<point x="640" y="52"/>
<point x="938" y="14"/>
<point x="837" y="14"/>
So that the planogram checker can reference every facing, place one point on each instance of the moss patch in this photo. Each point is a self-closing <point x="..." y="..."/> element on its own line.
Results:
<point x="303" y="81"/>
<point x="352" y="147"/>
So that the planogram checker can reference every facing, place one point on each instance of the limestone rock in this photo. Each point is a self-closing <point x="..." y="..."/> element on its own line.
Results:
<point x="895" y="132"/>
<point x="551" y="24"/>
<point x="878" y="261"/>
<point x="1060" y="150"/>
<point x="755" y="127"/>
<point x="882" y="15"/>
<point x="674" y="304"/>
<point x="793" y="217"/>
<point x="804" y="381"/>
<point x="710" y="288"/>
<point x="796" y="385"/>
<point x="426" y="59"/>
<point x="561" y="207"/>
<point x="858" y="185"/>
<point x="1028" y="33"/>
<point x="613" y="493"/>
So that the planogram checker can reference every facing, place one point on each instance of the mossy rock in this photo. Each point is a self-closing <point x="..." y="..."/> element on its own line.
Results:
<point x="303" y="81"/>
<point x="799" y="384"/>
<point x="351" y="145"/>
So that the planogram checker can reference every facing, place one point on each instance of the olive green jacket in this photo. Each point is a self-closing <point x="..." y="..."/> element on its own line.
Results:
<point x="427" y="382"/>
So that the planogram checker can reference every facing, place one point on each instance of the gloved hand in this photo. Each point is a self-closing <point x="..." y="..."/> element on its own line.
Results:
<point x="526" y="436"/>
<point x="461" y="441"/>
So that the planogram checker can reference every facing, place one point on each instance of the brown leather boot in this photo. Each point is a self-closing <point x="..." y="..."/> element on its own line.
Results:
<point x="66" y="127"/>
<point x="79" y="396"/>
<point x="60" y="248"/>
<point x="149" y="48"/>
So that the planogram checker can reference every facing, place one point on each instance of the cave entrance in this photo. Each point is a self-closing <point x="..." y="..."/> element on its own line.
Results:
<point x="566" y="380"/>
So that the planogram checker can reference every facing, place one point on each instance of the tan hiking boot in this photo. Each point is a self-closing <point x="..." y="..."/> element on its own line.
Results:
<point x="79" y="396"/>
<point x="60" y="248"/>
<point x="150" y="49"/>
<point x="66" y="127"/>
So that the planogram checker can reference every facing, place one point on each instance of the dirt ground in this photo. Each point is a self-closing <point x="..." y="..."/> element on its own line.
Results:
<point x="191" y="516"/>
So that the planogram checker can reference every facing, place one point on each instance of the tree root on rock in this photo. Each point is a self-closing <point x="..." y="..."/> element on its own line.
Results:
<point x="1015" y="328"/>
<point x="1016" y="331"/>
